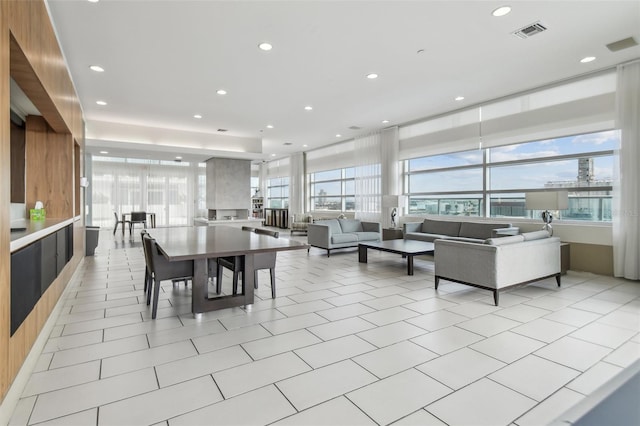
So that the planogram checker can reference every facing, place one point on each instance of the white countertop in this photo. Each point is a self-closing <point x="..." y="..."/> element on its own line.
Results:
<point x="35" y="230"/>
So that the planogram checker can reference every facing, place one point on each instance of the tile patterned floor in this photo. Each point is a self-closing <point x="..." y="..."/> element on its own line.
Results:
<point x="344" y="343"/>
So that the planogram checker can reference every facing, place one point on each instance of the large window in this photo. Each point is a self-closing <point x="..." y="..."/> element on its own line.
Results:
<point x="175" y="192"/>
<point x="333" y="190"/>
<point x="493" y="182"/>
<point x="278" y="193"/>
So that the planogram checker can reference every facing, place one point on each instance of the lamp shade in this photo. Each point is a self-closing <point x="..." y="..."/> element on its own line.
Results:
<point x="390" y="201"/>
<point x="547" y="200"/>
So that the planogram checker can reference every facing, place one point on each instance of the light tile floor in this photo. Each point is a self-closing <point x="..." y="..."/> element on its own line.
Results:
<point x="344" y="343"/>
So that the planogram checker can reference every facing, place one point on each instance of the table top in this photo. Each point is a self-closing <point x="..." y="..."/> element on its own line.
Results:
<point x="198" y="242"/>
<point x="401" y="246"/>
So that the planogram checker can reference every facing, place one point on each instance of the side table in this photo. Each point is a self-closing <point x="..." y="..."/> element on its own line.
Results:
<point x="391" y="234"/>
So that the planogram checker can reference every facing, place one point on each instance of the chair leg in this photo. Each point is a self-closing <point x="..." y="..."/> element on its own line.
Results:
<point x="219" y="280"/>
<point x="156" y="290"/>
<point x="115" y="228"/>
<point x="149" y="289"/>
<point x="272" y="271"/>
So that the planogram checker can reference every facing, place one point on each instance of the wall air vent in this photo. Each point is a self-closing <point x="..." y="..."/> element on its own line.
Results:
<point x="530" y="30"/>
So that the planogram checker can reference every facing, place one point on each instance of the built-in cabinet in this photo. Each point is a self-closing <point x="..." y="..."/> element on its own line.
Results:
<point x="34" y="268"/>
<point x="276" y="217"/>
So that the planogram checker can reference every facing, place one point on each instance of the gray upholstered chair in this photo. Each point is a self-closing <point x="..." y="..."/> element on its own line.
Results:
<point x="137" y="217"/>
<point x="160" y="269"/>
<point x="300" y="223"/>
<point x="121" y="222"/>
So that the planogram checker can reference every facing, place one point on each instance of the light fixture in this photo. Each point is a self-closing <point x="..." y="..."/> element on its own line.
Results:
<point x="102" y="103"/>
<point x="269" y="126"/>
<point x="104" y="152"/>
<point x="385" y="121"/>
<point x="93" y="1"/>
<point x="459" y="98"/>
<point x="546" y="201"/>
<point x="587" y="59"/>
<point x="338" y="135"/>
<point x="372" y="76"/>
<point x="393" y="202"/>
<point x="221" y="92"/>
<point x="178" y="157"/>
<point x="501" y="11"/>
<point x="265" y="46"/>
<point x="96" y="68"/>
<point x="273" y="155"/>
<point x="308" y="108"/>
<point x="197" y="116"/>
<point x="305" y="145"/>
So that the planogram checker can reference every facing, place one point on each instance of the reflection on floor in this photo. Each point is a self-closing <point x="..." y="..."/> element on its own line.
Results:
<point x="344" y="343"/>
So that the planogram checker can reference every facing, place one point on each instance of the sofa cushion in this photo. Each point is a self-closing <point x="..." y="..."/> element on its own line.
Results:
<point x="535" y="235"/>
<point x="442" y="227"/>
<point x="504" y="240"/>
<point x="350" y="225"/>
<point x="421" y="236"/>
<point x="368" y="236"/>
<point x="343" y="238"/>
<point x="333" y="224"/>
<point x="479" y="230"/>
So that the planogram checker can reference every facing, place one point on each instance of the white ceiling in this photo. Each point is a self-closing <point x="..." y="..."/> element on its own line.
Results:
<point x="164" y="61"/>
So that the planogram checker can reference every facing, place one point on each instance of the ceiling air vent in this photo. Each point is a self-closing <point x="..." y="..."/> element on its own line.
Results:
<point x="355" y="128"/>
<point x="222" y="130"/>
<point x="530" y="30"/>
<point x="622" y="44"/>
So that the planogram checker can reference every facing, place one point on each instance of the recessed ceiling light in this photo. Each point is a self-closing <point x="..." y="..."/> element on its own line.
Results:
<point x="178" y="158"/>
<point x="221" y="92"/>
<point x="265" y="46"/>
<point x="197" y="116"/>
<point x="96" y="68"/>
<point x="372" y="76"/>
<point x="308" y="108"/>
<point x="93" y="1"/>
<point x="305" y="145"/>
<point x="273" y="155"/>
<point x="338" y="135"/>
<point x="501" y="11"/>
<point x="269" y="126"/>
<point x="103" y="103"/>
<point x="104" y="152"/>
<point x="385" y="121"/>
<point x="588" y="59"/>
<point x="459" y="98"/>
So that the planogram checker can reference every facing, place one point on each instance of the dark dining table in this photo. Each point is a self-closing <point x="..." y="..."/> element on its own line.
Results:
<point x="200" y="243"/>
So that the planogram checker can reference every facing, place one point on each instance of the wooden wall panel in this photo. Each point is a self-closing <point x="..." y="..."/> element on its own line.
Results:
<point x="49" y="169"/>
<point x="29" y="53"/>
<point x="5" y="200"/>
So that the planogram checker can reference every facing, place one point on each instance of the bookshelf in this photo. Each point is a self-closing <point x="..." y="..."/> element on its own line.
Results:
<point x="257" y="207"/>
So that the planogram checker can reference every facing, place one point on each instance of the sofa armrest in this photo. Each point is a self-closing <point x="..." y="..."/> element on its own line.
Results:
<point x="372" y="227"/>
<point x="318" y="235"/>
<point x="503" y="232"/>
<point x="467" y="262"/>
<point x="411" y="227"/>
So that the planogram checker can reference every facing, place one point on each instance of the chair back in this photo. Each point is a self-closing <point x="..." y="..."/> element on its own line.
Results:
<point x="269" y="232"/>
<point x="148" y="244"/>
<point x="138" y="216"/>
<point x="116" y="216"/>
<point x="162" y="268"/>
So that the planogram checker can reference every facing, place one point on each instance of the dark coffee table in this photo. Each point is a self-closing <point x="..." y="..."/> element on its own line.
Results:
<point x="407" y="248"/>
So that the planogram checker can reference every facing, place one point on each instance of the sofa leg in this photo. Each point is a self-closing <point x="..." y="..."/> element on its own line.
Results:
<point x="437" y="281"/>
<point x="558" y="279"/>
<point x="328" y="253"/>
<point x="496" y="296"/>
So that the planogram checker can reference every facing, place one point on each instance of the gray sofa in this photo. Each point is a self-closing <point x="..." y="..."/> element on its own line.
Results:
<point x="430" y="230"/>
<point x="331" y="234"/>
<point x="498" y="263"/>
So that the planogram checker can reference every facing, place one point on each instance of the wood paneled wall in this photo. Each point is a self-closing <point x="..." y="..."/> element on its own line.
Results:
<point x="49" y="168"/>
<point x="29" y="53"/>
<point x="5" y="200"/>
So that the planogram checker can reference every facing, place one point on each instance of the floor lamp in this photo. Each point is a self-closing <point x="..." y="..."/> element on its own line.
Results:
<point x="547" y="201"/>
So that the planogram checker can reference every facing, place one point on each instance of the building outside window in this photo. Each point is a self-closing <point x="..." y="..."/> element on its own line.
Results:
<point x="278" y="192"/>
<point x="493" y="182"/>
<point x="333" y="190"/>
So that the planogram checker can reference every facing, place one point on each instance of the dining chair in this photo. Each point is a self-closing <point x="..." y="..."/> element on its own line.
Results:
<point x="161" y="269"/>
<point x="234" y="263"/>
<point x="122" y="222"/>
<point x="137" y="217"/>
